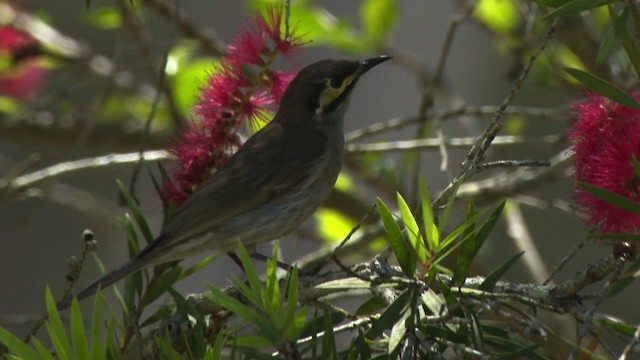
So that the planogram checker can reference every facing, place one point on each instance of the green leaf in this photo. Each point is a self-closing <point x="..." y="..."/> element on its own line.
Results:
<point x="16" y="346"/>
<point x="432" y="301"/>
<point x="161" y="284"/>
<point x="45" y="353"/>
<point x="292" y="302"/>
<point x="96" y="350"/>
<point x="612" y="198"/>
<point x="255" y="285"/>
<point x="344" y="284"/>
<point x="614" y="324"/>
<point x="370" y="306"/>
<point x="501" y="16"/>
<point x="616" y="237"/>
<point x="577" y="6"/>
<point x="78" y="334"/>
<point x="332" y="224"/>
<point x="378" y="18"/>
<point x="431" y="231"/>
<point x="467" y="251"/>
<point x="390" y="315"/>
<point x="413" y="231"/>
<point x="265" y="326"/>
<point x="104" y="17"/>
<point x="197" y="267"/>
<point x="604" y="88"/>
<point x="526" y="352"/>
<point x="135" y="210"/>
<point x="636" y="164"/>
<point x="551" y="3"/>
<point x="487" y="227"/>
<point x="254" y="341"/>
<point x="406" y="258"/>
<point x="491" y="280"/>
<point x="614" y="32"/>
<point x="625" y="282"/>
<point x="447" y="209"/>
<point x="195" y="339"/>
<point x="398" y="332"/>
<point x="188" y="80"/>
<point x="329" y="350"/>
<point x="57" y="333"/>
<point x="629" y="45"/>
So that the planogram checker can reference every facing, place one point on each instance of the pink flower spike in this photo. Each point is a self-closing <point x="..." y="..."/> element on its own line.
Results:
<point x="247" y="47"/>
<point x="279" y="82"/>
<point x="605" y="140"/>
<point x="12" y="39"/>
<point x="271" y="26"/>
<point x="24" y="76"/>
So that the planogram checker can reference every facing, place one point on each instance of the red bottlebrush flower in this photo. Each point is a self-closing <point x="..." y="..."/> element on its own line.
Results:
<point x="21" y="75"/>
<point x="605" y="139"/>
<point x="229" y="99"/>
<point x="247" y="48"/>
<point x="271" y="24"/>
<point x="279" y="82"/>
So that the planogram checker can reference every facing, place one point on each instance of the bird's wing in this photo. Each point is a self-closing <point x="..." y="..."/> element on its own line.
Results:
<point x="264" y="168"/>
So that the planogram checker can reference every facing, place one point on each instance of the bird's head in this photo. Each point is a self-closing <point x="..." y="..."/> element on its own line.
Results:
<point x="323" y="88"/>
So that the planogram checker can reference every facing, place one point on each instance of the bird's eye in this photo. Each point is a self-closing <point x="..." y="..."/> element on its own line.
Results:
<point x="334" y="87"/>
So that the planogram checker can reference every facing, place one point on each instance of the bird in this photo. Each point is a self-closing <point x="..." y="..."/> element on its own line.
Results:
<point x="274" y="181"/>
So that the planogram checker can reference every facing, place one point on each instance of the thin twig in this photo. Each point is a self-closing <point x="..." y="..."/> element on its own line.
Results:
<point x="443" y="115"/>
<point x="21" y="183"/>
<point x="76" y="266"/>
<point x="434" y="143"/>
<point x="586" y="323"/>
<point x="572" y="253"/>
<point x="476" y="153"/>
<point x="427" y="94"/>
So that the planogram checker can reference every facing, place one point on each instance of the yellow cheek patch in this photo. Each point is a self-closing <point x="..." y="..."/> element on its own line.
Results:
<point x="330" y="93"/>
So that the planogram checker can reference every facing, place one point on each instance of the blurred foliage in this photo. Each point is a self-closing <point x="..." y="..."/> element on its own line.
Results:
<point x="425" y="304"/>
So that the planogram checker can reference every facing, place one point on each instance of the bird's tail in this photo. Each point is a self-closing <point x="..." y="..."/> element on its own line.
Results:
<point x="133" y="265"/>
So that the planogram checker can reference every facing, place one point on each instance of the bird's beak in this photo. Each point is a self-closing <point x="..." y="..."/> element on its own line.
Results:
<point x="367" y="64"/>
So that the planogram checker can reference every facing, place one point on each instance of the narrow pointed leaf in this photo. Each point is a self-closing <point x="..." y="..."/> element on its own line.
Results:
<point x="604" y="88"/>
<point x="487" y="227"/>
<point x="491" y="280"/>
<point x="467" y="251"/>
<point x="252" y="275"/>
<point x="406" y="258"/>
<point x="612" y="198"/>
<point x="431" y="231"/>
<point x="17" y="346"/>
<point x="577" y="6"/>
<point x="78" y="334"/>
<point x="329" y="350"/>
<point x="136" y="212"/>
<point x="413" y="231"/>
<point x="390" y="315"/>
<point x="57" y="331"/>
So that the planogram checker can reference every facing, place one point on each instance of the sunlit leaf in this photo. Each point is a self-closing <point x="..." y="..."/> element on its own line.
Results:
<point x="405" y="255"/>
<point x="378" y="18"/>
<point x="501" y="16"/>
<point x="577" y="6"/>
<point x="413" y="231"/>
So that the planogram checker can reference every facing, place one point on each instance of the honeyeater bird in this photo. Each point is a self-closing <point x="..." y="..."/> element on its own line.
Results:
<point x="275" y="181"/>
